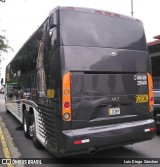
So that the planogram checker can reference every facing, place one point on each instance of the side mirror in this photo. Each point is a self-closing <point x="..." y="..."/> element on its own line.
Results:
<point x="52" y="20"/>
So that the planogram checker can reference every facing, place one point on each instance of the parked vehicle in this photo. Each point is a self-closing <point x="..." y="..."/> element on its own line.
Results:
<point x="2" y="89"/>
<point x="156" y="113"/>
<point x="82" y="82"/>
<point x="154" y="51"/>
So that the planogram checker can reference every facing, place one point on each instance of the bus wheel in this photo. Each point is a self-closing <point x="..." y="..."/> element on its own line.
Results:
<point x="7" y="111"/>
<point x="36" y="143"/>
<point x="26" y="124"/>
<point x="157" y="120"/>
<point x="158" y="127"/>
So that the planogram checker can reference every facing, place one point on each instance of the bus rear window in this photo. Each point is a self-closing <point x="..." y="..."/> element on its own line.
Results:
<point x="86" y="29"/>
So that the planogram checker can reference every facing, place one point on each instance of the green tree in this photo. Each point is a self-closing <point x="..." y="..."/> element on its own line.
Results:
<point x="4" y="44"/>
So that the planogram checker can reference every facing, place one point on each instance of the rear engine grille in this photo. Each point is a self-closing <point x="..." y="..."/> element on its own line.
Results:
<point x="47" y="126"/>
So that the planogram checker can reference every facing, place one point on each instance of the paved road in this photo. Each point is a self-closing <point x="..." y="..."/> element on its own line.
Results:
<point x="147" y="149"/>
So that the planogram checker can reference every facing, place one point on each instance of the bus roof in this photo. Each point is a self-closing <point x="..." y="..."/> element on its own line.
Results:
<point x="95" y="11"/>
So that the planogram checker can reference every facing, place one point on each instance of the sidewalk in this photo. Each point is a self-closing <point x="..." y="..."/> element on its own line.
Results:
<point x="7" y="147"/>
<point x="2" y="137"/>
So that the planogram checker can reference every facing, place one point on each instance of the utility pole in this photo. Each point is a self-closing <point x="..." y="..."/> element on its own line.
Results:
<point x="132" y="8"/>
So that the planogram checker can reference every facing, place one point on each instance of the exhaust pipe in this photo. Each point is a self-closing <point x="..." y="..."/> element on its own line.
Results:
<point x="92" y="150"/>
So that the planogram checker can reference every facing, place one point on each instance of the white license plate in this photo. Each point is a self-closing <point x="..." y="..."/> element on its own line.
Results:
<point x="114" y="111"/>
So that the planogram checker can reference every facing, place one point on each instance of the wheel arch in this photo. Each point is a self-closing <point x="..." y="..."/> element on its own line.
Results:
<point x="27" y="108"/>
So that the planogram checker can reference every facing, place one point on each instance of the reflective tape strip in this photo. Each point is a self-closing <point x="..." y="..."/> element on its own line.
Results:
<point x="149" y="130"/>
<point x="146" y="130"/>
<point x="86" y="141"/>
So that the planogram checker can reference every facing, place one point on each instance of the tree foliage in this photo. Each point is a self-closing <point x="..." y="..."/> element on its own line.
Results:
<point x="4" y="46"/>
<point x="2" y="0"/>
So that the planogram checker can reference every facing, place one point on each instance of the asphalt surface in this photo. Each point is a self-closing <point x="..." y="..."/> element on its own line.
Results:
<point x="147" y="149"/>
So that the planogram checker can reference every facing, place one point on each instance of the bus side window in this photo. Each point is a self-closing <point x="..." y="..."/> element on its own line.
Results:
<point x="53" y="35"/>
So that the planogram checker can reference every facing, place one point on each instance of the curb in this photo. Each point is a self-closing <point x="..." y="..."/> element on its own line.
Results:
<point x="11" y="145"/>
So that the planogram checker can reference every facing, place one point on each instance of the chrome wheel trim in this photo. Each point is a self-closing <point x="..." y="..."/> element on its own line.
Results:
<point x="25" y="124"/>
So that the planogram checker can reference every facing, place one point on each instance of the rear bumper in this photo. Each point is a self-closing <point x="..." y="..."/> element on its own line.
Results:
<point x="103" y="137"/>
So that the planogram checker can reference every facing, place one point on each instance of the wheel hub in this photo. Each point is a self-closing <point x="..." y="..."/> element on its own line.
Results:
<point x="32" y="129"/>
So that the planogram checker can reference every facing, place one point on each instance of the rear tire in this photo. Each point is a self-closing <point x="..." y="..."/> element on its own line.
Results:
<point x="36" y="142"/>
<point x="26" y="124"/>
<point x="7" y="111"/>
<point x="158" y="132"/>
<point x="158" y="128"/>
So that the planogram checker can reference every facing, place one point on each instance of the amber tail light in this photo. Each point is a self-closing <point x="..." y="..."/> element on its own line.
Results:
<point x="66" y="97"/>
<point x="150" y="93"/>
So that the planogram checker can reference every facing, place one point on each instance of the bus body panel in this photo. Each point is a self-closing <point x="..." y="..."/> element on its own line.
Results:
<point x="107" y="99"/>
<point x="111" y="60"/>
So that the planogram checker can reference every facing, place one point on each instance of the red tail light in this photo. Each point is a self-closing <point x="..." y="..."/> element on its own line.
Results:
<point x="78" y="142"/>
<point x="151" y="99"/>
<point x="66" y="104"/>
<point x="151" y="129"/>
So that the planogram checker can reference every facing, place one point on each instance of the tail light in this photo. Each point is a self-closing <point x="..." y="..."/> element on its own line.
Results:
<point x="98" y="12"/>
<point x="108" y="13"/>
<point x="66" y="97"/>
<point x="116" y="15"/>
<point x="69" y="8"/>
<point x="150" y="93"/>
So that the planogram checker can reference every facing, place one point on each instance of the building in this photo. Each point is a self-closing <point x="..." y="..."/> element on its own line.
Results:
<point x="154" y="51"/>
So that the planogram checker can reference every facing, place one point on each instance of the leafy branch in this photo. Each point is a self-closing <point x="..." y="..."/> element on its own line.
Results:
<point x="4" y="46"/>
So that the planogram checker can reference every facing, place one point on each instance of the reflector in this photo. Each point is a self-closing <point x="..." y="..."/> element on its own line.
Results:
<point x="78" y="142"/>
<point x="66" y="92"/>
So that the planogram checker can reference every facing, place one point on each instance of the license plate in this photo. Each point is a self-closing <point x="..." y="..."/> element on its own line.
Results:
<point x="114" y="111"/>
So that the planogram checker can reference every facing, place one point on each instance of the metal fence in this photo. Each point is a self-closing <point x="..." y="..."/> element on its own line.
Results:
<point x="156" y="83"/>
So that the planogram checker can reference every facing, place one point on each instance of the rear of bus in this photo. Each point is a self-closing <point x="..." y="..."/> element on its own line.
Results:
<point x="107" y="96"/>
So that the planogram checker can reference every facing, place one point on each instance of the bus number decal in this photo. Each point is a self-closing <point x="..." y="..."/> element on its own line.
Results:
<point x="50" y="93"/>
<point x="141" y="98"/>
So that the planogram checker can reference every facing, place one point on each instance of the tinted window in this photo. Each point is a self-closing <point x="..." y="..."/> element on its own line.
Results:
<point x="86" y="29"/>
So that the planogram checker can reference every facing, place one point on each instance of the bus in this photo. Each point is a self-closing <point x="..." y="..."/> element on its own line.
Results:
<point x="82" y="82"/>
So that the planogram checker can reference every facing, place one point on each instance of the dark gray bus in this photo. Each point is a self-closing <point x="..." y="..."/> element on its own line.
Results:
<point x="82" y="82"/>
